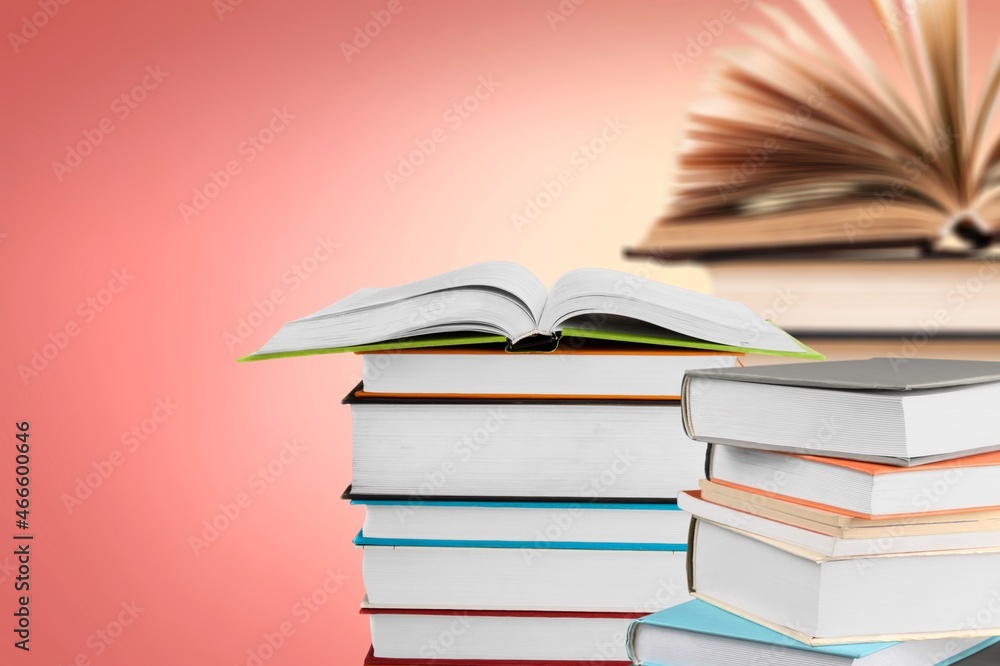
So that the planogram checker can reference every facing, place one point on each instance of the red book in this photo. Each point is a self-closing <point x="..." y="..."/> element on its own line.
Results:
<point x="372" y="660"/>
<point x="413" y="637"/>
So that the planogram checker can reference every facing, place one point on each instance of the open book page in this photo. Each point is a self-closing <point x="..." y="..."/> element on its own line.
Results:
<point x="594" y="297"/>
<point x="805" y="131"/>
<point x="503" y="276"/>
<point x="837" y="120"/>
<point x="498" y="298"/>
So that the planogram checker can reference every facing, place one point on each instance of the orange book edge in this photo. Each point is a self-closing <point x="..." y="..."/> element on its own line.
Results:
<point x="989" y="459"/>
<point x="845" y="512"/>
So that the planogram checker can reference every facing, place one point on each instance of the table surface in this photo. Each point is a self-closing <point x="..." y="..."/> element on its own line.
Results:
<point x="988" y="657"/>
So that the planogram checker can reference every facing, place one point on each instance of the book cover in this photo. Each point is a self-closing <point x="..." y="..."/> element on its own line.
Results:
<point x="361" y="540"/>
<point x="698" y="616"/>
<point x="372" y="660"/>
<point x="875" y="374"/>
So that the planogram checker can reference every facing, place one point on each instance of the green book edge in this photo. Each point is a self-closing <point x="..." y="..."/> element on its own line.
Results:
<point x="442" y="340"/>
<point x="692" y="343"/>
<point x="457" y="339"/>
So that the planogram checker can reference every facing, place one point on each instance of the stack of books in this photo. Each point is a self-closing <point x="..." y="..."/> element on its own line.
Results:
<point x="508" y="518"/>
<point x="857" y="212"/>
<point x="519" y="452"/>
<point x="851" y="515"/>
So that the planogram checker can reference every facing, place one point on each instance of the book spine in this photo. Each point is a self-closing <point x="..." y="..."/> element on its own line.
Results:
<point x="633" y="627"/>
<point x="692" y="532"/>
<point x="686" y="406"/>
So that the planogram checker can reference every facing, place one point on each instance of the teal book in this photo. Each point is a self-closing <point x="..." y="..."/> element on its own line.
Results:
<point x="696" y="633"/>
<point x="537" y="523"/>
<point x="362" y="540"/>
<point x="502" y="302"/>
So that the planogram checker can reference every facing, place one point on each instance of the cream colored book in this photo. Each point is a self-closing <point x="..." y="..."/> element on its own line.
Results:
<point x="844" y="526"/>
<point x="833" y="546"/>
<point x="915" y="305"/>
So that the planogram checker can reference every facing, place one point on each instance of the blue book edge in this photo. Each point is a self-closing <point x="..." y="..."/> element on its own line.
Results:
<point x="362" y="540"/>
<point x="700" y="617"/>
<point x="697" y="616"/>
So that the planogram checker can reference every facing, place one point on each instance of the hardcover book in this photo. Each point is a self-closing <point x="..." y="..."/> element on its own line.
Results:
<point x="696" y="633"/>
<point x="867" y="490"/>
<point x="584" y="369"/>
<point x="822" y="600"/>
<point x="588" y="449"/>
<point x="894" y="411"/>
<point x="503" y="302"/>
<point x="936" y="304"/>
<point x="806" y="144"/>
<point x="533" y="522"/>
<point x="532" y="575"/>
<point x="844" y="525"/>
<point x="531" y="636"/>
<point x="372" y="660"/>
<point x="893" y="539"/>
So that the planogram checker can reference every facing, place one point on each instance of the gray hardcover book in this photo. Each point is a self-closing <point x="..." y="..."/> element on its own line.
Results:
<point x="890" y="410"/>
<point x="885" y="374"/>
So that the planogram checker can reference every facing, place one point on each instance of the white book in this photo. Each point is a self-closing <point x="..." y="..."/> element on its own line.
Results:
<point x="623" y="370"/>
<point x="865" y="489"/>
<point x="524" y="578"/>
<point x="820" y="600"/>
<point x="532" y="522"/>
<point x="887" y="410"/>
<point x="488" y="635"/>
<point x="586" y="449"/>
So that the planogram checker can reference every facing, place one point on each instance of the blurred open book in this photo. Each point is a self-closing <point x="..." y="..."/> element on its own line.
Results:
<point x="806" y="145"/>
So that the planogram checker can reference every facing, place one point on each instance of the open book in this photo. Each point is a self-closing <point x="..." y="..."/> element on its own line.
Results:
<point x="807" y="145"/>
<point x="504" y="302"/>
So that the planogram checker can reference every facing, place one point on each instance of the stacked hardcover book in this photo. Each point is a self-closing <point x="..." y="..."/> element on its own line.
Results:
<point x="519" y="452"/>
<point x="519" y="506"/>
<point x="856" y="307"/>
<point x="851" y="515"/>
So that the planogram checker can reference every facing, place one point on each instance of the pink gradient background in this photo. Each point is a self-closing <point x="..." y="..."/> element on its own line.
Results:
<point x="162" y="337"/>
